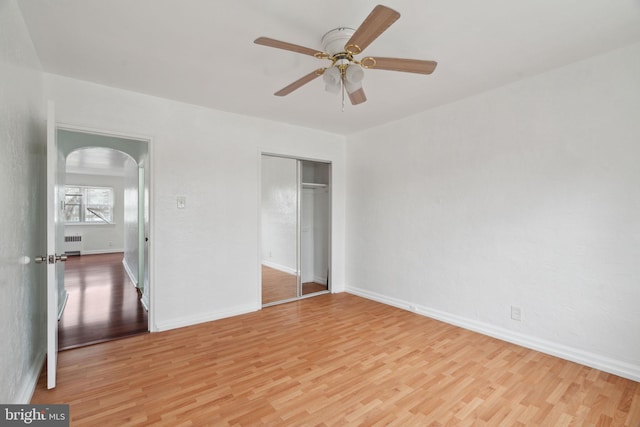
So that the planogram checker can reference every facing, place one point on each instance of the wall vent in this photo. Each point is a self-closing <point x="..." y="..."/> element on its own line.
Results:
<point x="73" y="244"/>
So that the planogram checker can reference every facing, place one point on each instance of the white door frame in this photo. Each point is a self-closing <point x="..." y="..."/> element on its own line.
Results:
<point x="50" y="258"/>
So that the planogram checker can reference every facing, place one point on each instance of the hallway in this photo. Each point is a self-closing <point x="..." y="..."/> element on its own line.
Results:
<point x="103" y="304"/>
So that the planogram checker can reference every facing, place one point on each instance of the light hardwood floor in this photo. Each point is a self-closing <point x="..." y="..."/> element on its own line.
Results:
<point x="279" y="286"/>
<point x="332" y="360"/>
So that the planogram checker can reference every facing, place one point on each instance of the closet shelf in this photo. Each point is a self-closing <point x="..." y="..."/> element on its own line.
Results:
<point x="313" y="185"/>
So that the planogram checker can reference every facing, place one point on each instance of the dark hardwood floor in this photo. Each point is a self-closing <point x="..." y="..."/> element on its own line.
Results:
<point x="103" y="304"/>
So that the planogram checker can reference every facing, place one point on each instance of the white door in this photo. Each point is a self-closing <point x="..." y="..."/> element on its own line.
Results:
<point x="55" y="231"/>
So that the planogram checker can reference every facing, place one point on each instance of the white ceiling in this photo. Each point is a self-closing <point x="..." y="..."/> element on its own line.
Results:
<point x="98" y="161"/>
<point x="202" y="51"/>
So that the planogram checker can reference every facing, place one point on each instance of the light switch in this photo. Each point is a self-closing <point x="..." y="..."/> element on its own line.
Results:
<point x="182" y="202"/>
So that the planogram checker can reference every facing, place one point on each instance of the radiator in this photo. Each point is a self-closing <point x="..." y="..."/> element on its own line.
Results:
<point x="73" y="244"/>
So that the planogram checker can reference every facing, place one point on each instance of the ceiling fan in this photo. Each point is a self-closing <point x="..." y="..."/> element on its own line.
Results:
<point x="340" y="46"/>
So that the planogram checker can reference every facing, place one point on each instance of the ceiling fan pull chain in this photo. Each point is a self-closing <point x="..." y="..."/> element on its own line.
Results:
<point x="343" y="90"/>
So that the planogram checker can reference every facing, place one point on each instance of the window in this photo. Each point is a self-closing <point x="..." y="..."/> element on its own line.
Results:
<point x="89" y="205"/>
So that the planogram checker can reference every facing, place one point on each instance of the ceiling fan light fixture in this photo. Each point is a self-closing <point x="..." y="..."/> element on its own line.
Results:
<point x="354" y="73"/>
<point x="332" y="80"/>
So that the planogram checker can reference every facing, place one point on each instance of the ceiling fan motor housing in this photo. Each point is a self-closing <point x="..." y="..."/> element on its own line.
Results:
<point x="333" y="42"/>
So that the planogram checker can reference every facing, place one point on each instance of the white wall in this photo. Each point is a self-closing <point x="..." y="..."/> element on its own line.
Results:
<point x="307" y="236"/>
<point x="100" y="238"/>
<point x="205" y="258"/>
<point x="279" y="220"/>
<point x="314" y="230"/>
<point x="22" y="297"/>
<point x="526" y="195"/>
<point x="320" y="234"/>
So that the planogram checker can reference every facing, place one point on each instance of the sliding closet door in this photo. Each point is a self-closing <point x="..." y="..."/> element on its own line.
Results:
<point x="279" y="229"/>
<point x="295" y="228"/>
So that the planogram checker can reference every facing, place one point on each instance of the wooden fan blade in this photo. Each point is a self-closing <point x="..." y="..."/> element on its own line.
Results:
<point x="380" y="18"/>
<point x="300" y="82"/>
<point x="401" y="64"/>
<point x="357" y="97"/>
<point x="266" y="41"/>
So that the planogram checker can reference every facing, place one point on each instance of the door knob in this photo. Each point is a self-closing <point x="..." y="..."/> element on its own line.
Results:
<point x="52" y="259"/>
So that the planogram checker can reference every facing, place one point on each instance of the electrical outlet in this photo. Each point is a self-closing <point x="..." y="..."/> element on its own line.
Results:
<point x="516" y="313"/>
<point x="110" y="244"/>
<point x="181" y="201"/>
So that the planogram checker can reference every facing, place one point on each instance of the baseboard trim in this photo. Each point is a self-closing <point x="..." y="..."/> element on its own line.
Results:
<point x="101" y="251"/>
<point x="25" y="394"/>
<point x="593" y="360"/>
<point x="205" y="317"/>
<point x="321" y="280"/>
<point x="133" y="279"/>
<point x="279" y="267"/>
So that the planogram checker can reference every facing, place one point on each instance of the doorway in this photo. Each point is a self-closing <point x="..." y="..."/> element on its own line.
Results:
<point x="106" y="214"/>
<point x="295" y="228"/>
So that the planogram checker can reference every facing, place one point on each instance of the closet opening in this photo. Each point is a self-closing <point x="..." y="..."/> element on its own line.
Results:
<point x="295" y="228"/>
